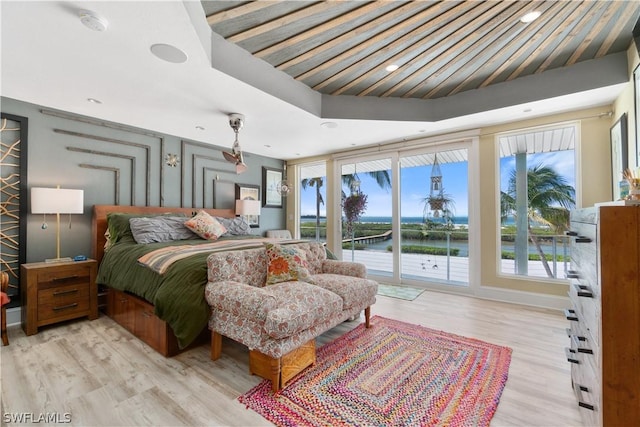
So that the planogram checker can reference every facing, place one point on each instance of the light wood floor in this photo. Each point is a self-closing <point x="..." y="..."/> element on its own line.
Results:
<point x="103" y="376"/>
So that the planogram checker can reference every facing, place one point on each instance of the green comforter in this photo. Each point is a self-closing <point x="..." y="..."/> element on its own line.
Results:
<point x="178" y="295"/>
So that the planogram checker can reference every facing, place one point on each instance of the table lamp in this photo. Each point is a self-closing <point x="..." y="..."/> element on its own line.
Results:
<point x="247" y="208"/>
<point x="56" y="201"/>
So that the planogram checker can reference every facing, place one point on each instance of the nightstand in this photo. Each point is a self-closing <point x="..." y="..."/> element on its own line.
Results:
<point x="55" y="292"/>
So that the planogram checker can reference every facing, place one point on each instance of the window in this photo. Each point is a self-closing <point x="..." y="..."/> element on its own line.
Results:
<point x="313" y="195"/>
<point x="413" y="227"/>
<point x="537" y="192"/>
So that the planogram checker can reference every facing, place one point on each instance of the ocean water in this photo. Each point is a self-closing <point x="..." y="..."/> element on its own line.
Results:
<point x="408" y="219"/>
<point x="459" y="220"/>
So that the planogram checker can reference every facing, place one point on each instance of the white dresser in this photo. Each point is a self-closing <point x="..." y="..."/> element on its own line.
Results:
<point x="604" y="336"/>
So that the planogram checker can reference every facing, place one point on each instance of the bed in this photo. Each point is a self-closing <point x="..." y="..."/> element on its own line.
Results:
<point x="167" y="311"/>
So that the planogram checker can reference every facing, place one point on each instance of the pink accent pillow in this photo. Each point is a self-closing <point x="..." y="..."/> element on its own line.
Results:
<point x="205" y="226"/>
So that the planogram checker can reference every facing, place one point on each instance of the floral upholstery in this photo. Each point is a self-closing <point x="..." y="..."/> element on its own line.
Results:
<point x="300" y="306"/>
<point x="277" y="319"/>
<point x="354" y="269"/>
<point x="248" y="266"/>
<point x="358" y="289"/>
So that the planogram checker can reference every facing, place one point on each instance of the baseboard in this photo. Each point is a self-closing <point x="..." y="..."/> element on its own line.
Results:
<point x="14" y="316"/>
<point x="553" y="302"/>
<point x="533" y="299"/>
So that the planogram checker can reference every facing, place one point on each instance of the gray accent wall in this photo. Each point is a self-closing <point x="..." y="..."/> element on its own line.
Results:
<point x="119" y="164"/>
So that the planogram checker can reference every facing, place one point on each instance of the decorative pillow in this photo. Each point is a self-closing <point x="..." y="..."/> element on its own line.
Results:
<point x="159" y="229"/>
<point x="235" y="226"/>
<point x="119" y="227"/>
<point x="205" y="226"/>
<point x="286" y="263"/>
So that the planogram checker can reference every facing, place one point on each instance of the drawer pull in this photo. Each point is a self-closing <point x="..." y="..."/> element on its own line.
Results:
<point x="579" y="389"/>
<point x="583" y="290"/>
<point x="62" y="279"/>
<point x="571" y="314"/>
<point x="583" y="239"/>
<point x="147" y="314"/>
<point x="572" y="274"/>
<point x="571" y="233"/>
<point x="570" y="353"/>
<point x="65" y="307"/>
<point x="60" y="293"/>
<point x="575" y="340"/>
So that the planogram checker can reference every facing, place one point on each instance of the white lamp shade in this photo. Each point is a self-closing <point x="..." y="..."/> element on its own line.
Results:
<point x="247" y="207"/>
<point x="56" y="200"/>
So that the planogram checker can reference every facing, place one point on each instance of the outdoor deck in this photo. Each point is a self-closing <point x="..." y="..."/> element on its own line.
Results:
<point x="431" y="267"/>
<point x="370" y="239"/>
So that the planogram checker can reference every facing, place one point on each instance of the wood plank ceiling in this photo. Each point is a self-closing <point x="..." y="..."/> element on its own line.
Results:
<point x="441" y="47"/>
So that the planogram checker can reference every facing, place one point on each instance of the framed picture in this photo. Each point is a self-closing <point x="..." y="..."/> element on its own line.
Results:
<point x="249" y="192"/>
<point x="636" y="92"/>
<point x="270" y="179"/>
<point x="619" y="154"/>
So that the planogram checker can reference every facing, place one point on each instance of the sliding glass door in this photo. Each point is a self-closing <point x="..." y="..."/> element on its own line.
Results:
<point x="366" y="203"/>
<point x="406" y="215"/>
<point x="434" y="206"/>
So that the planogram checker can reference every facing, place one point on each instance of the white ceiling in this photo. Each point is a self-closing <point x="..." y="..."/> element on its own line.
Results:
<point x="49" y="58"/>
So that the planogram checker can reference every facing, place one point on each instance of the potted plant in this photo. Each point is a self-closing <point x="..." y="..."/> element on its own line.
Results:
<point x="353" y="206"/>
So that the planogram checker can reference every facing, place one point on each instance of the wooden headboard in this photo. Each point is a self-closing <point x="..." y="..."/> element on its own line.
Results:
<point x="99" y="220"/>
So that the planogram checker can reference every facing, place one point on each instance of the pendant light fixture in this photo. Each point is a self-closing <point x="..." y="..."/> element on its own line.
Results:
<point x="283" y="187"/>
<point x="235" y="156"/>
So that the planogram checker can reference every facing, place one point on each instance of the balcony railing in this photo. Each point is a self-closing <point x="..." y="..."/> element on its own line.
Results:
<point x="446" y="252"/>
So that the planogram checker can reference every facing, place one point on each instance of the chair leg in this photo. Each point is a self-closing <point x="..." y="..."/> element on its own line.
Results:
<point x="367" y="317"/>
<point x="276" y="369"/>
<point x="216" y="345"/>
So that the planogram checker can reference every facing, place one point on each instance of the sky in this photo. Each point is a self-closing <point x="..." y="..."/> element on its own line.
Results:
<point x="415" y="185"/>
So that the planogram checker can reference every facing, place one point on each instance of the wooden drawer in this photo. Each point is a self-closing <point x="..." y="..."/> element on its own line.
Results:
<point x="71" y="275"/>
<point x="581" y="342"/>
<point x="584" y="257"/>
<point x="586" y="388"/>
<point x="137" y="316"/>
<point x="63" y="302"/>
<point x="588" y="311"/>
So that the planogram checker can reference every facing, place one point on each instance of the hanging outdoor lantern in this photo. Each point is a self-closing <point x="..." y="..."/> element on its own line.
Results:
<point x="436" y="192"/>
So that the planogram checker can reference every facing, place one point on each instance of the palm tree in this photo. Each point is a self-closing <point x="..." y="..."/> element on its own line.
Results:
<point x="317" y="183"/>
<point x="550" y="200"/>
<point x="381" y="177"/>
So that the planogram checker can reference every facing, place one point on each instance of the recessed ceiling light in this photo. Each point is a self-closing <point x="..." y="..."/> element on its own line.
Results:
<point x="92" y="20"/>
<point x="391" y="68"/>
<point x="530" y="17"/>
<point x="94" y="101"/>
<point x="329" y="125"/>
<point x="169" y="53"/>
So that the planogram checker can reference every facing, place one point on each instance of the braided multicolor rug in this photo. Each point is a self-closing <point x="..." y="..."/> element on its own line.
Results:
<point x="393" y="374"/>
